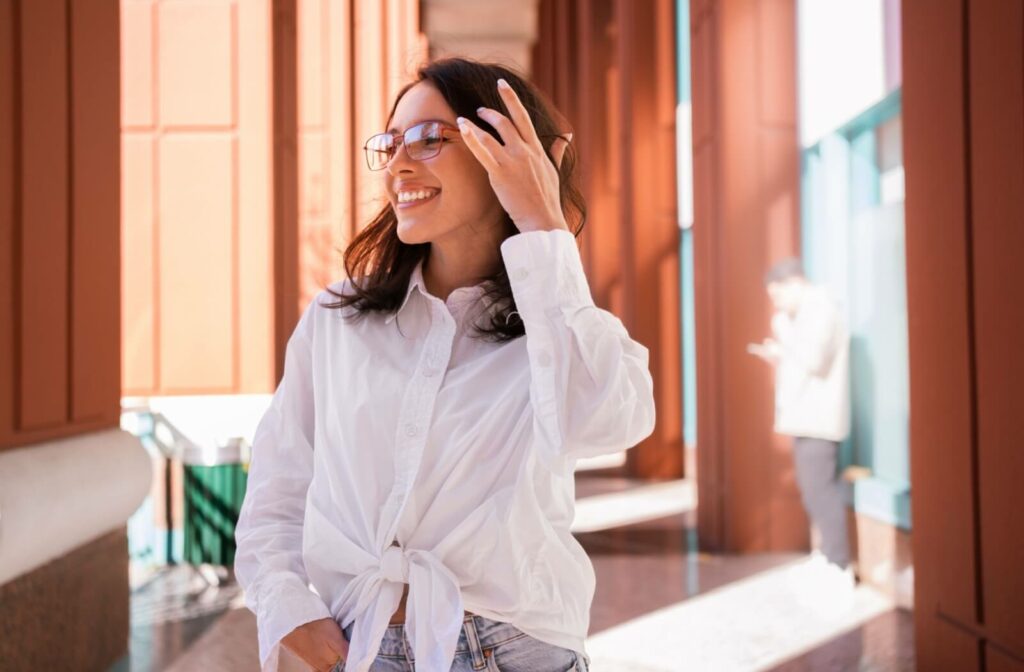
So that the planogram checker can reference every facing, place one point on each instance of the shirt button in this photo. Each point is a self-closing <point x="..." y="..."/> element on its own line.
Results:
<point x="522" y="274"/>
<point x="411" y="429"/>
<point x="544" y="359"/>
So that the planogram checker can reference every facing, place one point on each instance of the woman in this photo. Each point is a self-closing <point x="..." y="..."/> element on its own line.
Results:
<point x="416" y="463"/>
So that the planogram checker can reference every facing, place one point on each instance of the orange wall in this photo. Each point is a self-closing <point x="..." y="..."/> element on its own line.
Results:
<point x="59" y="313"/>
<point x="746" y="218"/>
<point x="352" y="59"/>
<point x="963" y="111"/>
<point x="196" y="274"/>
<point x="609" y="66"/>
<point x="241" y="129"/>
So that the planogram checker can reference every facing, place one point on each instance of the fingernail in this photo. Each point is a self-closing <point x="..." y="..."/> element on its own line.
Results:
<point x="480" y="109"/>
<point x="460" y="120"/>
<point x="502" y="83"/>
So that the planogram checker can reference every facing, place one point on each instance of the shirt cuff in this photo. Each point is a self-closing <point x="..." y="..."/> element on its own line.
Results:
<point x="546" y="272"/>
<point x="288" y="605"/>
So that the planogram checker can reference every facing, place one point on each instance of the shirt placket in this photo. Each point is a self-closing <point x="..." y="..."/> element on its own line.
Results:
<point x="417" y="409"/>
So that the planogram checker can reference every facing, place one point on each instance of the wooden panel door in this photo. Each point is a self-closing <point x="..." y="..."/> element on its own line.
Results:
<point x="58" y="199"/>
<point x="996" y="57"/>
<point x="964" y="157"/>
<point x="197" y="264"/>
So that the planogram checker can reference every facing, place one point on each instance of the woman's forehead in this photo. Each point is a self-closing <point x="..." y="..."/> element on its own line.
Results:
<point x="422" y="102"/>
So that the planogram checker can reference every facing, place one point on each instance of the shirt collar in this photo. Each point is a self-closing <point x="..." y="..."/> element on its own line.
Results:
<point x="416" y="282"/>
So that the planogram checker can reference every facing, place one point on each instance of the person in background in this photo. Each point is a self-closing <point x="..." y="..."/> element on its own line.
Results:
<point x="809" y="349"/>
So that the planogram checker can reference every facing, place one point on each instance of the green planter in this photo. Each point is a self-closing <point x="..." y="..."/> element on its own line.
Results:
<point x="213" y="499"/>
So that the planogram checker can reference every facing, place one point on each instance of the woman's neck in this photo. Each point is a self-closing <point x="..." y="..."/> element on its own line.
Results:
<point x="443" y="274"/>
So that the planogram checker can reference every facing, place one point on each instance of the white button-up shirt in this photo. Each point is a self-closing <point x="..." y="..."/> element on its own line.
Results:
<point x="403" y="450"/>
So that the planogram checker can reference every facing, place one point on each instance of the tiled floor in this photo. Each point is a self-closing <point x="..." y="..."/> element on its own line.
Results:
<point x="885" y="642"/>
<point x="170" y="613"/>
<point x="660" y="604"/>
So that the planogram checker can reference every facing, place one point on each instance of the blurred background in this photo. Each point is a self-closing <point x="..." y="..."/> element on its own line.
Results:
<point x="177" y="178"/>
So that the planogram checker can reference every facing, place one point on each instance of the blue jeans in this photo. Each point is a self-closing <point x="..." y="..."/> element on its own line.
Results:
<point x="483" y="645"/>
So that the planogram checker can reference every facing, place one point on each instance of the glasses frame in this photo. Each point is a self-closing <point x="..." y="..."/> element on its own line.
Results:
<point x="399" y="140"/>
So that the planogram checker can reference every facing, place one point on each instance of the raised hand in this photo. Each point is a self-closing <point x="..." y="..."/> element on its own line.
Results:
<point x="523" y="178"/>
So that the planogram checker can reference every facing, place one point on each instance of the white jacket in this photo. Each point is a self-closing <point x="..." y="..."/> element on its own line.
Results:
<point x="812" y="381"/>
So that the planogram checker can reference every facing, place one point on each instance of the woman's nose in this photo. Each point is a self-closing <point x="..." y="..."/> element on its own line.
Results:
<point x="399" y="159"/>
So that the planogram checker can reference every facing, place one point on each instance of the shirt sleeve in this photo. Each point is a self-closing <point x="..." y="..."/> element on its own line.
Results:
<point x="268" y="560"/>
<point x="591" y="389"/>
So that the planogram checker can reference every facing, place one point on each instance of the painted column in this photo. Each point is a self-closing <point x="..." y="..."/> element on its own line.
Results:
<point x="746" y="217"/>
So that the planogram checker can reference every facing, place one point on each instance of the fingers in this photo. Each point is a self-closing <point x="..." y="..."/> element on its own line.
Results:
<point x="506" y="129"/>
<point x="520" y="126"/>
<point x="326" y="658"/>
<point x="518" y="113"/>
<point x="334" y="637"/>
<point x="330" y="665"/>
<point x="319" y="644"/>
<point x="337" y="651"/>
<point x="483" y="145"/>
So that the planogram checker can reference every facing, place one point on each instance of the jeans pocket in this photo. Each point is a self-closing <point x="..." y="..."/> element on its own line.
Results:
<point x="526" y="654"/>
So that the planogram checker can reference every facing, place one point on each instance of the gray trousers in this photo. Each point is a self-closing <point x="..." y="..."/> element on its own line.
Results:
<point x="822" y="492"/>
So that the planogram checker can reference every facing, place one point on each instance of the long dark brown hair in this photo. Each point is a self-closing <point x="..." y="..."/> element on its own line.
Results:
<point x="379" y="265"/>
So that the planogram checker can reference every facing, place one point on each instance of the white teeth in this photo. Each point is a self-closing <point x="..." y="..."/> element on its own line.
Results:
<point x="408" y="196"/>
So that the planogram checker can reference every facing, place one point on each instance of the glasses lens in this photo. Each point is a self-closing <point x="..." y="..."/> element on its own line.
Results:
<point x="379" y="149"/>
<point x="423" y="141"/>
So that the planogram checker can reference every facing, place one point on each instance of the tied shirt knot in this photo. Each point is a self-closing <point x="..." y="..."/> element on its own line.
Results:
<point x="394" y="566"/>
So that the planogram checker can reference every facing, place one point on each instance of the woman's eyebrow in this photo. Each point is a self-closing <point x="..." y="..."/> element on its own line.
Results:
<point x="420" y="121"/>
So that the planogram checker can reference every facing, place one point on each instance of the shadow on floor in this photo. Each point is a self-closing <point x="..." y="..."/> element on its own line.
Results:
<point x="660" y="606"/>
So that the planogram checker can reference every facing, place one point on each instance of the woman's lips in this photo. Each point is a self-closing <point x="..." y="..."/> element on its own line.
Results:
<point x="421" y="201"/>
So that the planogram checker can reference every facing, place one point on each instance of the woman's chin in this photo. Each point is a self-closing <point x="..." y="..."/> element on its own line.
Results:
<point x="413" y="233"/>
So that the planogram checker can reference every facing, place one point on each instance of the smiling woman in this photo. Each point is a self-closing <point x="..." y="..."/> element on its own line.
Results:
<point x="441" y="198"/>
<point x="421" y="479"/>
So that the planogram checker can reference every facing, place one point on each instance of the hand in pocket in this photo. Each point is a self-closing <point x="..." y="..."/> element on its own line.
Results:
<point x="318" y="643"/>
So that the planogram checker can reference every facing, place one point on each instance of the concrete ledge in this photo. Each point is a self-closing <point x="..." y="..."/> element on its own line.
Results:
<point x="57" y="496"/>
<point x="883" y="500"/>
<point x="71" y="613"/>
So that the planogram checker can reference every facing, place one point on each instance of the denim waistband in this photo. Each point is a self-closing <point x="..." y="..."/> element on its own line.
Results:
<point x="478" y="633"/>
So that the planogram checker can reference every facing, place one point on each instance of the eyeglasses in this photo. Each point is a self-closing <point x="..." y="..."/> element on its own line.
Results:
<point x="422" y="141"/>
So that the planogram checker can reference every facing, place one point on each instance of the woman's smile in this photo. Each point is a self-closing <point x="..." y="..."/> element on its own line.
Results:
<point x="413" y="197"/>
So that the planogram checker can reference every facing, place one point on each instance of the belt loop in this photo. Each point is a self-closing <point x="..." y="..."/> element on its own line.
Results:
<point x="476" y="652"/>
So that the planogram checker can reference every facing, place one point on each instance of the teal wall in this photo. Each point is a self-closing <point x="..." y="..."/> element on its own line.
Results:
<point x="685" y="190"/>
<point x="853" y="243"/>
